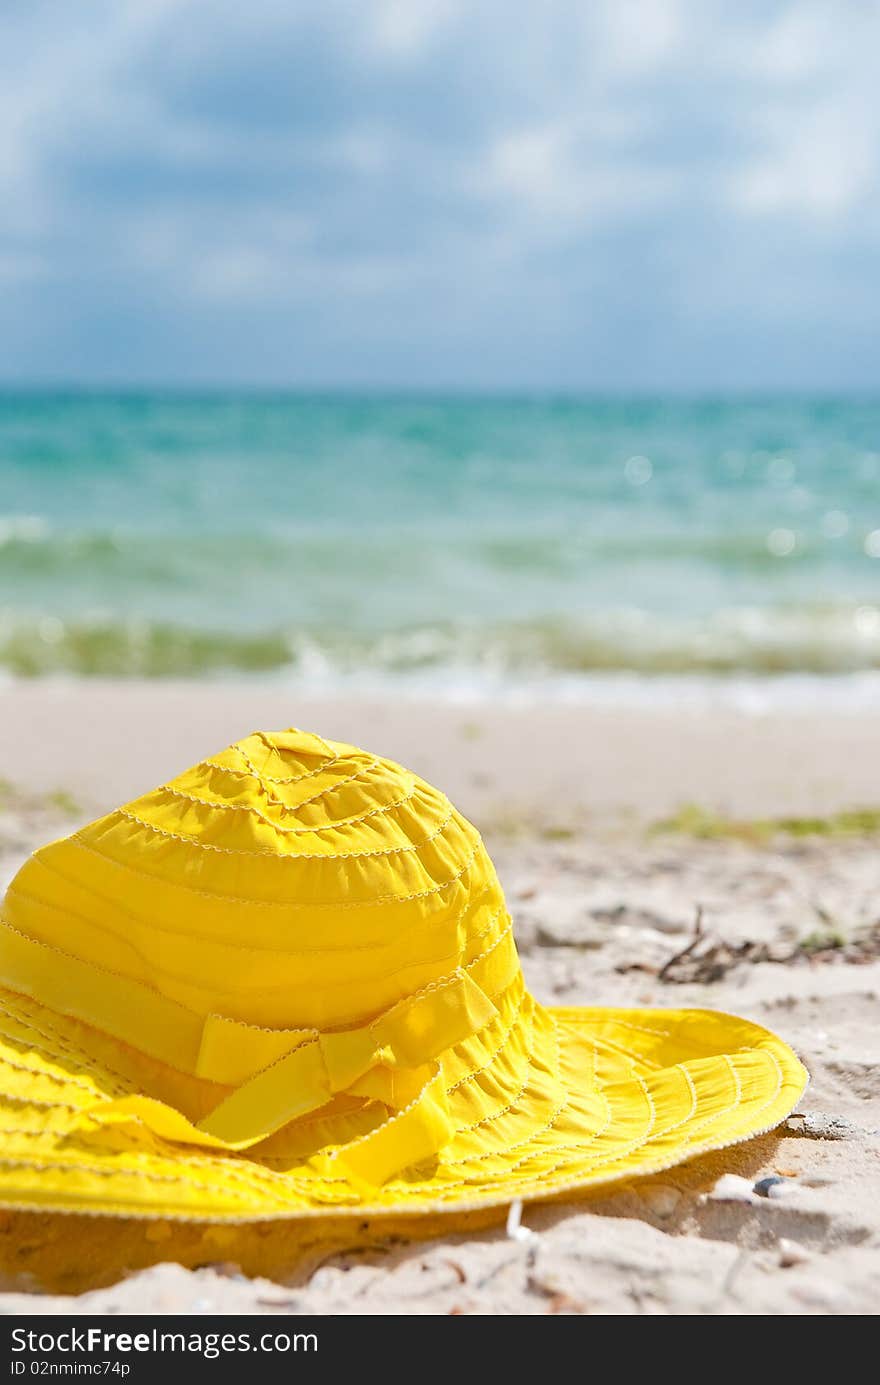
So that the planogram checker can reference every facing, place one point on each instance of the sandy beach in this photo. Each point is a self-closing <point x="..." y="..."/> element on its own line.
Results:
<point x="613" y="831"/>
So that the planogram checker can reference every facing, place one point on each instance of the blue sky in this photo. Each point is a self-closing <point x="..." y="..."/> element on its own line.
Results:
<point x="624" y="194"/>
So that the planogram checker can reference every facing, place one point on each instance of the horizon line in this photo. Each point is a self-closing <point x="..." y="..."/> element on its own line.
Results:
<point x="439" y="391"/>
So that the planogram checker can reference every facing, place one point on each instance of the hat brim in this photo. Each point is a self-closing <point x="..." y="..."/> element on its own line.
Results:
<point x="599" y="1095"/>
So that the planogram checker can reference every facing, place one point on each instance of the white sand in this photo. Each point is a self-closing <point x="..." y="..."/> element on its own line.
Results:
<point x="608" y="896"/>
<point x="110" y="741"/>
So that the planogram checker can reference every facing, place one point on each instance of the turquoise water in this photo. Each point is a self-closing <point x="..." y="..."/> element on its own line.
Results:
<point x="443" y="540"/>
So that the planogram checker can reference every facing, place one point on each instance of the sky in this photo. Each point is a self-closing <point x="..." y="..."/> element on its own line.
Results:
<point x="429" y="194"/>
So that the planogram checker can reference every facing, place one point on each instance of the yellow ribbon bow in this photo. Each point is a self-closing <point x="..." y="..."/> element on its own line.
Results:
<point x="280" y="1075"/>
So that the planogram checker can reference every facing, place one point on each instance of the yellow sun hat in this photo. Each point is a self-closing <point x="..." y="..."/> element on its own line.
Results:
<point x="286" y="984"/>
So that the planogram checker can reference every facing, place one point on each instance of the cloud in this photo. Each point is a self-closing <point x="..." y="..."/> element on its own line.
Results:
<point x="821" y="169"/>
<point x="402" y="28"/>
<point x="631" y="194"/>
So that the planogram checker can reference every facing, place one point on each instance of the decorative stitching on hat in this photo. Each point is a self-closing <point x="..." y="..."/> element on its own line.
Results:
<point x="294" y="831"/>
<point x="533" y="1135"/>
<point x="344" y="1149"/>
<point x="641" y="1028"/>
<point x="431" y="986"/>
<point x="362" y="773"/>
<point x="374" y="764"/>
<point x="503" y="1180"/>
<point x="280" y="903"/>
<point x="514" y="1100"/>
<point x="477" y="1072"/>
<point x="617" y="1155"/>
<point x="543" y="1130"/>
<point x="341" y="1151"/>
<point x="97" y="967"/>
<point x="627" y="1150"/>
<point x="83" y="1062"/>
<point x="300" y="1195"/>
<point x="536" y="1135"/>
<point x="231" y="1168"/>
<point x="17" y="1100"/>
<point x="101" y="1172"/>
<point x="651" y="1107"/>
<point x="81" y="1058"/>
<point x="437" y="1197"/>
<point x="13" y="888"/>
<point x="611" y="1047"/>
<point x="292" y="855"/>
<point x="299" y="831"/>
<point x="715" y="1115"/>
<point x="735" y="1075"/>
<point x="737" y="1101"/>
<point x="643" y="1140"/>
<point x="452" y="976"/>
<point x="280" y="1183"/>
<point x="253" y="773"/>
<point x="263" y="778"/>
<point x="61" y="1081"/>
<point x="693" y="1091"/>
<point x="305" y="1121"/>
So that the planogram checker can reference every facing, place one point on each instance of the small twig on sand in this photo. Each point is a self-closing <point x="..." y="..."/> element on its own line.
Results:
<point x="457" y="1270"/>
<point x="732" y="1274"/>
<point x="685" y="951"/>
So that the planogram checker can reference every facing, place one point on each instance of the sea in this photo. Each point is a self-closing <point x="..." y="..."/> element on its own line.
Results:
<point x="459" y="547"/>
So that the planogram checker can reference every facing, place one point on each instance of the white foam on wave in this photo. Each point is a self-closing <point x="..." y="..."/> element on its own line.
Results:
<point x="751" y="695"/>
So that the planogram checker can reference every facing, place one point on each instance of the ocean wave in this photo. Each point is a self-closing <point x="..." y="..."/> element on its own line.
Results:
<point x="453" y="546"/>
<point x="734" y="641"/>
<point x="29" y="543"/>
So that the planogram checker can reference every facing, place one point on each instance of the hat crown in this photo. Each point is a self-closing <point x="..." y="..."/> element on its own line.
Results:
<point x="286" y="882"/>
